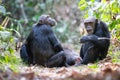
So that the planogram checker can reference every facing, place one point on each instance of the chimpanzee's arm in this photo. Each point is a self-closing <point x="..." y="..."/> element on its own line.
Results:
<point x="96" y="40"/>
<point x="81" y="52"/>
<point x="28" y="49"/>
<point x="55" y="42"/>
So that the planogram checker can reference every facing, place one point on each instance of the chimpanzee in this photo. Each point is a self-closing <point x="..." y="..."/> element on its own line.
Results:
<point x="42" y="45"/>
<point x="96" y="43"/>
<point x="72" y="58"/>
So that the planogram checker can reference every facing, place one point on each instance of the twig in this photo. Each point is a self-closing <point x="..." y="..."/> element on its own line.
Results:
<point x="103" y="38"/>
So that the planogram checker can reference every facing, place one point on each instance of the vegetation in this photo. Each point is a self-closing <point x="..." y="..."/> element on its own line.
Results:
<point x="18" y="16"/>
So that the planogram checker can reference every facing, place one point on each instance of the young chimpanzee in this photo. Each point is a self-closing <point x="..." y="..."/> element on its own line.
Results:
<point x="72" y="58"/>
<point x="96" y="44"/>
<point x="42" y="45"/>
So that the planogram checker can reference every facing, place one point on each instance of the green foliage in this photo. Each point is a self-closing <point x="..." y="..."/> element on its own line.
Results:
<point x="106" y="11"/>
<point x="93" y="66"/>
<point x="26" y="13"/>
<point x="115" y="57"/>
<point x="62" y="31"/>
<point x="8" y="42"/>
<point x="10" y="61"/>
<point x="67" y="34"/>
<point x="7" y="50"/>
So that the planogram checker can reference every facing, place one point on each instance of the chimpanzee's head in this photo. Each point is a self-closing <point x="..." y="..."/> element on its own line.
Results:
<point x="46" y="19"/>
<point x="90" y="23"/>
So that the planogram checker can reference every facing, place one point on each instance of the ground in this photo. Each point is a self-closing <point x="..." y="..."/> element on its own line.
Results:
<point x="103" y="70"/>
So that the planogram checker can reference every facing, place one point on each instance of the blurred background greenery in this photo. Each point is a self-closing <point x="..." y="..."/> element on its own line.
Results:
<point x="22" y="14"/>
<point x="18" y="16"/>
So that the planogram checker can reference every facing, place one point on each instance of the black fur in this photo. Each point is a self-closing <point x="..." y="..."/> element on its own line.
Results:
<point x="93" y="48"/>
<point x="43" y="47"/>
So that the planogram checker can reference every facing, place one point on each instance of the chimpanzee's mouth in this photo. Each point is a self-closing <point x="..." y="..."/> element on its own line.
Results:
<point x="89" y="30"/>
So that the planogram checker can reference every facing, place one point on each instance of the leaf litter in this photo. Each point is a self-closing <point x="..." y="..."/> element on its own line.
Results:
<point x="106" y="71"/>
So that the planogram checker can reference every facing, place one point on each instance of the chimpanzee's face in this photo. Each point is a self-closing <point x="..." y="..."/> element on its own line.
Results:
<point x="89" y="26"/>
<point x="50" y="21"/>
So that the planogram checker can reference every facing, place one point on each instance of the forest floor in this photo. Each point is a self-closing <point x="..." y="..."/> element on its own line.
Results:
<point x="103" y="70"/>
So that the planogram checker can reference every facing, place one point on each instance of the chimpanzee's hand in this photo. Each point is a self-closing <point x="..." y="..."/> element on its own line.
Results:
<point x="93" y="38"/>
<point x="84" y="39"/>
<point x="88" y="38"/>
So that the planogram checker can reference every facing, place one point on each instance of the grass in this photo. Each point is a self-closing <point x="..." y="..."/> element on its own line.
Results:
<point x="116" y="57"/>
<point x="10" y="61"/>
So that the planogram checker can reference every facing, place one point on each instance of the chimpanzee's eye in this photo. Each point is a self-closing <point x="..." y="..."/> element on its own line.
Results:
<point x="86" y="24"/>
<point x="90" y="23"/>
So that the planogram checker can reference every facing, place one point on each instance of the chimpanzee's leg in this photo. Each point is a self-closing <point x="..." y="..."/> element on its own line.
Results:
<point x="57" y="60"/>
<point x="81" y="52"/>
<point x="90" y="56"/>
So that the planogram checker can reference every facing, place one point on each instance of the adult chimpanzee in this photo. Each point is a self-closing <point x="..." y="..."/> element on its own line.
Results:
<point x="42" y="45"/>
<point x="96" y="44"/>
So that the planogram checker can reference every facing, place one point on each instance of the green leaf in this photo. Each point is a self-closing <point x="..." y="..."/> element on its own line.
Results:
<point x="92" y="0"/>
<point x="82" y="5"/>
<point x="81" y="2"/>
<point x="94" y="66"/>
<point x="11" y="50"/>
<point x="1" y="27"/>
<point x="5" y="35"/>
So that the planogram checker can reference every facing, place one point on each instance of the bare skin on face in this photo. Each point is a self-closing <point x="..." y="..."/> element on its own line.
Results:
<point x="90" y="24"/>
